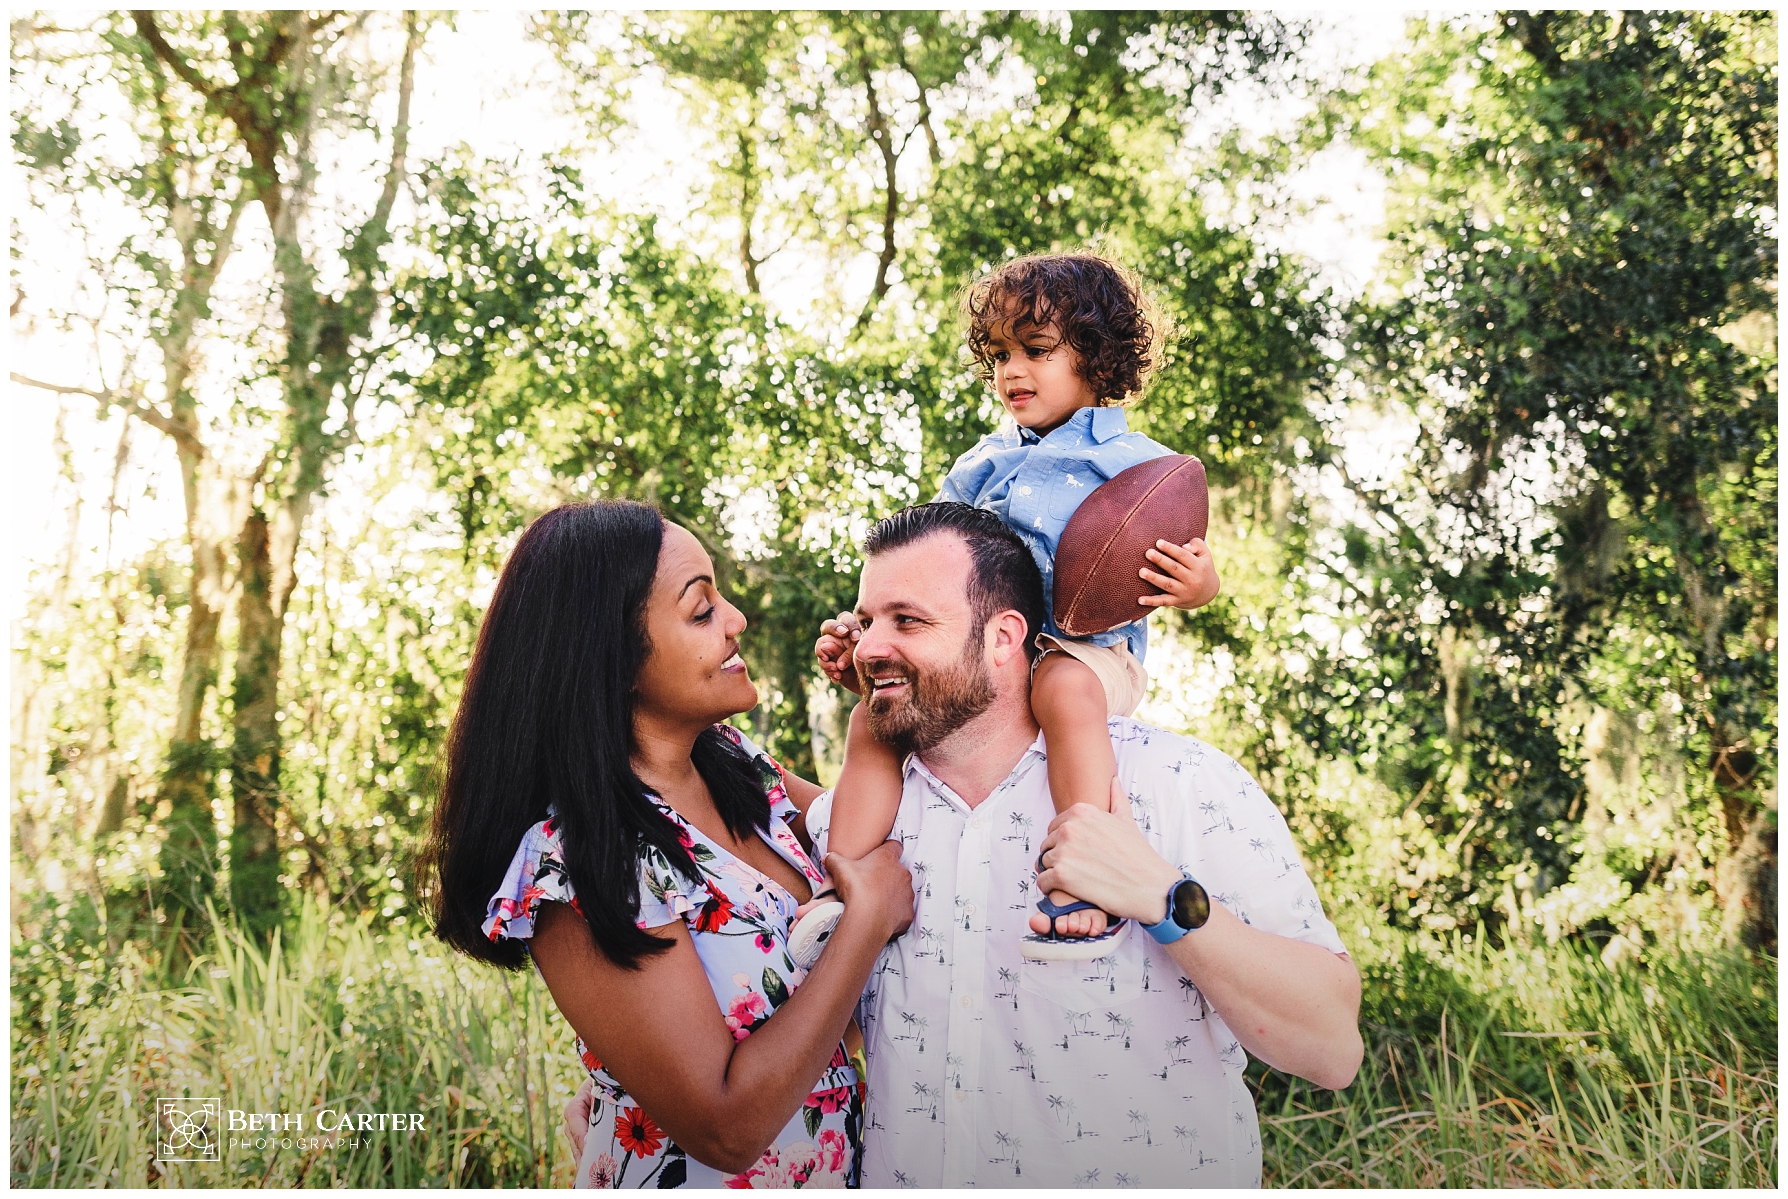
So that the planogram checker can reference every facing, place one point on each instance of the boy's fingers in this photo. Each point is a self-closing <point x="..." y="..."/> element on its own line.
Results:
<point x="1170" y="564"/>
<point x="1166" y="584"/>
<point x="1179" y="553"/>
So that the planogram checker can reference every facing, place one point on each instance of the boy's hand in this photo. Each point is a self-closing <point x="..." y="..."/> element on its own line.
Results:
<point x="1187" y="575"/>
<point x="836" y="650"/>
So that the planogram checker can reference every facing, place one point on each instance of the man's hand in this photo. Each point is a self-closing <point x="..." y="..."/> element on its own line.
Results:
<point x="1187" y="576"/>
<point x="836" y="650"/>
<point x="1293" y="1004"/>
<point x="1102" y="857"/>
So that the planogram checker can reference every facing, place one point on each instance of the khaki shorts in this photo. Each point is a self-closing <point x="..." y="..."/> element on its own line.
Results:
<point x="1122" y="676"/>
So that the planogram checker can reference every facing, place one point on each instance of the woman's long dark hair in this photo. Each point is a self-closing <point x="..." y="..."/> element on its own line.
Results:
<point x="547" y="718"/>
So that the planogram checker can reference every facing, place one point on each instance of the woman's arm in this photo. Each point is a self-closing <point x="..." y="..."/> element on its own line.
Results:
<point x="659" y="1031"/>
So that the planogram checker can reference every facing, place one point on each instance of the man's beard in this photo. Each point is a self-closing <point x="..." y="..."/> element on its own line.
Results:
<point x="937" y="703"/>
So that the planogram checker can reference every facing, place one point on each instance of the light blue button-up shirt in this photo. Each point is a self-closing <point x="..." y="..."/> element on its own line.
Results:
<point x="1035" y="484"/>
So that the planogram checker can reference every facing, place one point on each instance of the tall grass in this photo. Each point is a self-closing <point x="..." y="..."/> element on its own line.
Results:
<point x="342" y="1017"/>
<point x="1540" y="1066"/>
<point x="1486" y="1067"/>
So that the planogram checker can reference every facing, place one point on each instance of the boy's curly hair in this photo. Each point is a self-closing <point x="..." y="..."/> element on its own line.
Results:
<point x="1099" y="307"/>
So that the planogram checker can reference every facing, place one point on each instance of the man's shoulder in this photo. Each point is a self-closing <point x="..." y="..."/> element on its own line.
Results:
<point x="1143" y="743"/>
<point x="1178" y="760"/>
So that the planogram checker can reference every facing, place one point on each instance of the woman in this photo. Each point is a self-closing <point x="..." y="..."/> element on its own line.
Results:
<point x="597" y="818"/>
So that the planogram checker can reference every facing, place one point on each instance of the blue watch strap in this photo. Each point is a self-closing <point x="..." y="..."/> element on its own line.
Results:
<point x="1169" y="930"/>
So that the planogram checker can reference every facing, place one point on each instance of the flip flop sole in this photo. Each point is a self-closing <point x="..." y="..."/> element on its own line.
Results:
<point x="811" y="932"/>
<point x="1039" y="947"/>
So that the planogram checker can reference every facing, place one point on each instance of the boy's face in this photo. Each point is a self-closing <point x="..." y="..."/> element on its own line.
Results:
<point x="1037" y="377"/>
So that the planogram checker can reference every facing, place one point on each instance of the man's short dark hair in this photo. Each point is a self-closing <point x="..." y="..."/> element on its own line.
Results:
<point x="1002" y="573"/>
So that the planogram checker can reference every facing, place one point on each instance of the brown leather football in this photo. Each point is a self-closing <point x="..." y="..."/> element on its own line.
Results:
<point x="1096" y="585"/>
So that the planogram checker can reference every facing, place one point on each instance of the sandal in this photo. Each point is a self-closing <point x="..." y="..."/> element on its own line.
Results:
<point x="807" y="939"/>
<point x="1053" y="947"/>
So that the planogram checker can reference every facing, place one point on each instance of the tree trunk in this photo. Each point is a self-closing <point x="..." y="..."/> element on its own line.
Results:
<point x="254" y="760"/>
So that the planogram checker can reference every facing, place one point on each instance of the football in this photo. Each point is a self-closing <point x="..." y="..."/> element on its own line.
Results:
<point x="1096" y="585"/>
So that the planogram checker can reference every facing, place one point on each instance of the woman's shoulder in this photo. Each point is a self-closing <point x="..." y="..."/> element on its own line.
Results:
<point x="536" y="875"/>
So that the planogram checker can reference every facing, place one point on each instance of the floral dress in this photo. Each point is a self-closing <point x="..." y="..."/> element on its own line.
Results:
<point x="739" y="920"/>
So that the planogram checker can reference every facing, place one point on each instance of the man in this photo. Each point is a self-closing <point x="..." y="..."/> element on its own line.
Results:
<point x="986" y="1069"/>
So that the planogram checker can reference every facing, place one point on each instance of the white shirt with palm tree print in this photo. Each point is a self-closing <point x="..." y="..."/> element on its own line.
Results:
<point x="986" y="1069"/>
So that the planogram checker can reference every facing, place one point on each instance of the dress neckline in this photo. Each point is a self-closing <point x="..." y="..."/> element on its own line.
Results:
<point x="803" y="865"/>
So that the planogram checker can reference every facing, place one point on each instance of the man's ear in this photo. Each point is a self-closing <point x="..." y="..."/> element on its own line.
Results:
<point x="1007" y="633"/>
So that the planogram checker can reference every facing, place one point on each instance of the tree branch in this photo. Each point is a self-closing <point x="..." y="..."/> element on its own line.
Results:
<point x="400" y="136"/>
<point x="151" y="33"/>
<point x="937" y="157"/>
<point x="878" y="131"/>
<point x="130" y="404"/>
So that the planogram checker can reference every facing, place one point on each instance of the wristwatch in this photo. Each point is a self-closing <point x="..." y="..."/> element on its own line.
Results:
<point x="1188" y="907"/>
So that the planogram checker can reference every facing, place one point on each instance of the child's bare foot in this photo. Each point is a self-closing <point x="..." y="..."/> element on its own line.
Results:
<point x="1087" y="923"/>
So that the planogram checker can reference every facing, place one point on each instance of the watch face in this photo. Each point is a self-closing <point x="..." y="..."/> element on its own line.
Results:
<point x="1191" y="906"/>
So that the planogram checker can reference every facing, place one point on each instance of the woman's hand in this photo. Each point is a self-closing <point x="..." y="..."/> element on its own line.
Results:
<point x="877" y="888"/>
<point x="836" y="648"/>
<point x="577" y="1117"/>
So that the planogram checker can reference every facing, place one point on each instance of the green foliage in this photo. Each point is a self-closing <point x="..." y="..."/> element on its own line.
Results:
<point x="1573" y="586"/>
<point x="330" y="1014"/>
<point x="1540" y="1067"/>
<point x="1678" y="1087"/>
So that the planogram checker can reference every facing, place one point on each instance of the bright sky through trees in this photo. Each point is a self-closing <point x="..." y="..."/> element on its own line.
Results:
<point x="486" y="84"/>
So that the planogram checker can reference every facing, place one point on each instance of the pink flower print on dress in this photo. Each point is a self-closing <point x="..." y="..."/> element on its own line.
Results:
<point x="787" y="842"/>
<point x="834" y="1151"/>
<point x="832" y="1099"/>
<point x="602" y="1172"/>
<point x="745" y="1012"/>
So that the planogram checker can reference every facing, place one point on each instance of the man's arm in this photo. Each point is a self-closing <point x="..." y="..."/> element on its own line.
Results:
<point x="1292" y="1004"/>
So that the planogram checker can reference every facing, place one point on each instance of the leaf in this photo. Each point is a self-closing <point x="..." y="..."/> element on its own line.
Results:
<point x="775" y="990"/>
<point x="813" y="1118"/>
<point x="674" y="1174"/>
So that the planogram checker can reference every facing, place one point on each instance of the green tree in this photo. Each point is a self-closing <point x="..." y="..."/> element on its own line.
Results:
<point x="231" y="110"/>
<point x="1579" y="577"/>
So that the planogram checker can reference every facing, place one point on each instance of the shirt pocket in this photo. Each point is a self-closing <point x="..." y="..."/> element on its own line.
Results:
<point x="1087" y="990"/>
<point x="1069" y="483"/>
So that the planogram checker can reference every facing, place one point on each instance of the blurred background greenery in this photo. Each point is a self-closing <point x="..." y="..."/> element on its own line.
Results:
<point x="1496" y="513"/>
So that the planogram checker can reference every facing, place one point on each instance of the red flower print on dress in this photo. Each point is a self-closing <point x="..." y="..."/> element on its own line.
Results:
<point x="714" y="914"/>
<point x="637" y="1133"/>
<point x="766" y="942"/>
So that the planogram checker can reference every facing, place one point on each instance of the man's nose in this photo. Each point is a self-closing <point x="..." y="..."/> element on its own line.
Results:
<point x="870" y="647"/>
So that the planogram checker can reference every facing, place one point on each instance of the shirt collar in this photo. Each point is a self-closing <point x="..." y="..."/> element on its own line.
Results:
<point x="1101" y="424"/>
<point x="1035" y="753"/>
<point x="1109" y="423"/>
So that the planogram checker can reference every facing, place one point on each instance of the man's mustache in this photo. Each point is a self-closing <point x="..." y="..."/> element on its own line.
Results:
<point x="890" y="669"/>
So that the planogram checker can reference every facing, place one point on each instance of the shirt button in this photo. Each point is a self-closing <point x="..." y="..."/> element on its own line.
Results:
<point x="970" y="910"/>
<point x="1024" y="491"/>
<point x="966" y="1002"/>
